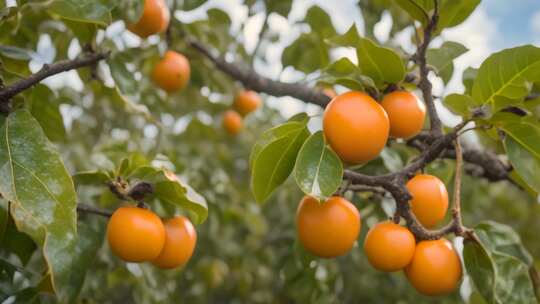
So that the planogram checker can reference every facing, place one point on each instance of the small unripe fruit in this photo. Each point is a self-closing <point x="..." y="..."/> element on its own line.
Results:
<point x="430" y="199"/>
<point x="232" y="122"/>
<point x="435" y="269"/>
<point x="356" y="127"/>
<point x="172" y="72"/>
<point x="406" y="113"/>
<point x="329" y="229"/>
<point x="135" y="234"/>
<point x="389" y="246"/>
<point x="180" y="241"/>
<point x="247" y="102"/>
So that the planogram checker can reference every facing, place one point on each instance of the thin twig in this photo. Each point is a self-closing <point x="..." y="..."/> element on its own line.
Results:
<point x="48" y="70"/>
<point x="84" y="208"/>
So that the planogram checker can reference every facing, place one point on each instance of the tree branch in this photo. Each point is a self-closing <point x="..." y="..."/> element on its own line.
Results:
<point x="424" y="84"/>
<point x="252" y="80"/>
<point x="84" y="208"/>
<point x="48" y="70"/>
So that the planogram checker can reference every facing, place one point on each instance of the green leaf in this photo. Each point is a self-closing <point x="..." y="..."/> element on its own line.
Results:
<point x="513" y="284"/>
<point x="281" y="7"/>
<point x="347" y="74"/>
<point x="351" y="38"/>
<point x="525" y="163"/>
<point x="170" y="189"/>
<point x="502" y="239"/>
<point x="293" y="126"/>
<point x="526" y="133"/>
<point x="320" y="22"/>
<point x="468" y="77"/>
<point x="318" y="170"/>
<point x="43" y="199"/>
<point x="18" y="243"/>
<point x="480" y="268"/>
<point x="504" y="77"/>
<point x="46" y="111"/>
<point x="454" y="12"/>
<point x="391" y="159"/>
<point x="16" y="53"/>
<point x="460" y="104"/>
<point x="91" y="178"/>
<point x="379" y="63"/>
<point x="192" y="4"/>
<point x="307" y="53"/>
<point x="89" y="11"/>
<point x="89" y="242"/>
<point x="274" y="160"/>
<point x="442" y="58"/>
<point x="417" y="9"/>
<point x="123" y="78"/>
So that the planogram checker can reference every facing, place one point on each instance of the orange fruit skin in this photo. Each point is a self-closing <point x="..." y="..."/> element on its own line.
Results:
<point x="154" y="19"/>
<point x="389" y="246"/>
<point x="180" y="241"/>
<point x="172" y="72"/>
<point x="435" y="268"/>
<point x="135" y="234"/>
<point x="430" y="199"/>
<point x="327" y="230"/>
<point x="247" y="102"/>
<point x="356" y="127"/>
<point x="406" y="113"/>
<point x="232" y="122"/>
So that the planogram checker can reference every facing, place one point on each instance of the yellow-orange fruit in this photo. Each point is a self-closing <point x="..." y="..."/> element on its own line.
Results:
<point x="246" y="102"/>
<point x="430" y="199"/>
<point x="232" y="122"/>
<point x="406" y="113"/>
<point x="356" y="127"/>
<point x="172" y="72"/>
<point x="180" y="241"/>
<point x="389" y="246"/>
<point x="329" y="229"/>
<point x="435" y="268"/>
<point x="154" y="19"/>
<point x="135" y="234"/>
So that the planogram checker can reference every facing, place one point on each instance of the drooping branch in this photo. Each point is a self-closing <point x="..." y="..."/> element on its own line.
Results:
<point x="424" y="84"/>
<point x="48" y="70"/>
<point x="252" y="80"/>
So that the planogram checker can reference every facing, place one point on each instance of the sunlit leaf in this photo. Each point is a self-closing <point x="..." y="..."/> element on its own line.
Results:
<point x="379" y="63"/>
<point x="442" y="58"/>
<point x="318" y="170"/>
<point x="454" y="12"/>
<point x="505" y="76"/>
<point x="524" y="162"/>
<point x="43" y="199"/>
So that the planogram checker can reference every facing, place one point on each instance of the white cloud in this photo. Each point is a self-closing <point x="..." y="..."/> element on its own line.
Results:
<point x="535" y="25"/>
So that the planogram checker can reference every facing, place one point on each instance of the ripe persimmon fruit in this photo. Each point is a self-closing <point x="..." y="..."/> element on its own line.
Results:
<point x="435" y="268"/>
<point x="180" y="240"/>
<point x="172" y="72"/>
<point x="232" y="122"/>
<point x="356" y="127"/>
<point x="154" y="19"/>
<point x="246" y="102"/>
<point x="389" y="246"/>
<point x="135" y="234"/>
<point x="327" y="229"/>
<point x="430" y="199"/>
<point x="406" y="113"/>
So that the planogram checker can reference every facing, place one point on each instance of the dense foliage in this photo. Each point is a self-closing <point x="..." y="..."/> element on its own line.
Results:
<point x="92" y="138"/>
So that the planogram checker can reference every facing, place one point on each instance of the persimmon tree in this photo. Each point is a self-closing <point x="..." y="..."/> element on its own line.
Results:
<point x="93" y="121"/>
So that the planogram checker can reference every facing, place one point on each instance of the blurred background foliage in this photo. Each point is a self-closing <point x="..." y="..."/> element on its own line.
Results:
<point x="246" y="252"/>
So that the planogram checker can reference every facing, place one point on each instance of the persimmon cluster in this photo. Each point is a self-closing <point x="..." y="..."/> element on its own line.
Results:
<point x="138" y="235"/>
<point x="357" y="128"/>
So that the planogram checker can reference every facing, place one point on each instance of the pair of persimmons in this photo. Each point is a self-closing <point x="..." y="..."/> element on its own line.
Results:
<point x="173" y="71"/>
<point x="357" y="128"/>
